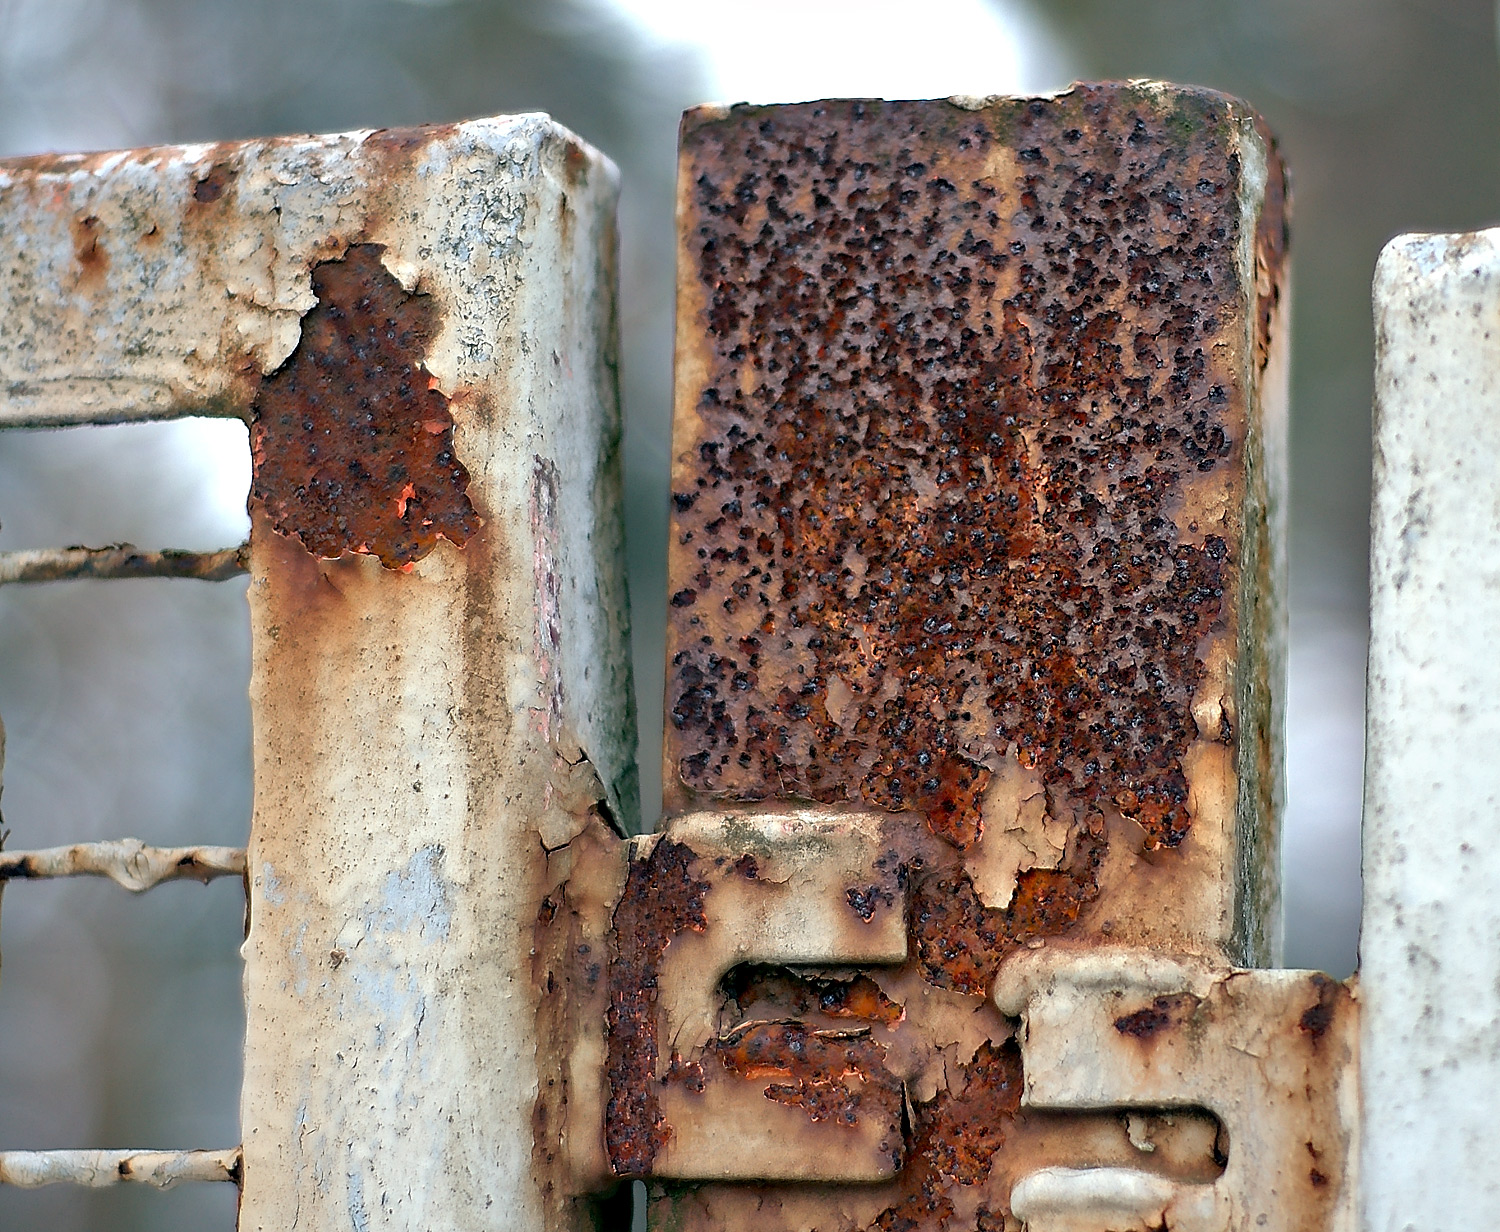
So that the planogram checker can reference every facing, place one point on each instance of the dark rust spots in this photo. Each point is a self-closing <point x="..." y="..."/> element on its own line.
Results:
<point x="211" y="187"/>
<point x="957" y="504"/>
<point x="955" y="1138"/>
<point x="962" y="370"/>
<point x="352" y="441"/>
<point x="1163" y="1014"/>
<point x="662" y="898"/>
<point x="1318" y="1017"/>
<point x="837" y="1076"/>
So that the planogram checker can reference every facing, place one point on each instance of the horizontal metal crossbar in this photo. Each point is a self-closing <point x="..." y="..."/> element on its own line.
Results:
<point x="98" y="1169"/>
<point x="126" y="861"/>
<point x="120" y="560"/>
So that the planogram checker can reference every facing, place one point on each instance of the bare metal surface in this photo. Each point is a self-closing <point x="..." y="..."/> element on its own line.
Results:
<point x="127" y="862"/>
<point x="120" y="561"/>
<point x="101" y="1169"/>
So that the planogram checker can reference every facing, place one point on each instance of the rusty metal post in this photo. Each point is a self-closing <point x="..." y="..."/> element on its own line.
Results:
<point x="418" y="327"/>
<point x="974" y="758"/>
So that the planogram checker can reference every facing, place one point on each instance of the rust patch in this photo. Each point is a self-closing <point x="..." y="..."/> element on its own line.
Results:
<point x="812" y="1036"/>
<point x="662" y="898"/>
<point x="211" y="187"/>
<point x="87" y="251"/>
<point x="352" y="442"/>
<point x="1318" y="1017"/>
<point x="960" y="942"/>
<point x="955" y="1138"/>
<point x="959" y="369"/>
<point x="1162" y="1014"/>
<point x="833" y="1075"/>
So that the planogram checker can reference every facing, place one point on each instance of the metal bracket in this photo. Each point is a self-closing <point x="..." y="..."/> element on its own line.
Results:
<point x="1271" y="1054"/>
<point x="773" y="890"/>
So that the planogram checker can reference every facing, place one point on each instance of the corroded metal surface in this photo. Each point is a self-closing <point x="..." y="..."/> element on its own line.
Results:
<point x="961" y="450"/>
<point x="977" y="461"/>
<point x="352" y="440"/>
<point x="1271" y="1054"/>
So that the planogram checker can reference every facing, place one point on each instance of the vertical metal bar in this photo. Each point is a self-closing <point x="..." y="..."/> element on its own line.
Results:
<point x="436" y="720"/>
<point x="1430" y="938"/>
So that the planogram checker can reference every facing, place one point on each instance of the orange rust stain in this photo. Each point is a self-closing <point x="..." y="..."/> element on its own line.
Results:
<point x="88" y="251"/>
<point x="351" y="440"/>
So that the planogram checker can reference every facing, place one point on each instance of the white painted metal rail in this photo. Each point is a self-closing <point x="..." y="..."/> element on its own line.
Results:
<point x="102" y="1169"/>
<point x="128" y="862"/>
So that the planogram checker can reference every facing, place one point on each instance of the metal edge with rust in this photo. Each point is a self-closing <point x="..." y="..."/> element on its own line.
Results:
<point x="978" y="463"/>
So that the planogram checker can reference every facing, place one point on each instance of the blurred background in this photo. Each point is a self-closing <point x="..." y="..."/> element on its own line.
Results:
<point x="125" y="703"/>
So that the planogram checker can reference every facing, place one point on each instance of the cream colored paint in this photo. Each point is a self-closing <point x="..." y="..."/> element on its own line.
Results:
<point x="421" y="738"/>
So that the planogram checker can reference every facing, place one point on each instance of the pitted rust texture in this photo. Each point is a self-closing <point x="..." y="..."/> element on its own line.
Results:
<point x="352" y="442"/>
<point x="662" y="898"/>
<point x="960" y="942"/>
<point x="834" y="1075"/>
<point x="956" y="1138"/>
<point x="962" y="372"/>
<point x="962" y="462"/>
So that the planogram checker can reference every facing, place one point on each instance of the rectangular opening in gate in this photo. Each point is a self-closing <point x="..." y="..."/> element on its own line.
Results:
<point x="174" y="484"/>
<point x="126" y="714"/>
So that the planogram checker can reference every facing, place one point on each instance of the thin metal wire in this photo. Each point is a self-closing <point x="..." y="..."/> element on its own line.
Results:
<point x="126" y="861"/>
<point x="121" y="560"/>
<point x="98" y="1169"/>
